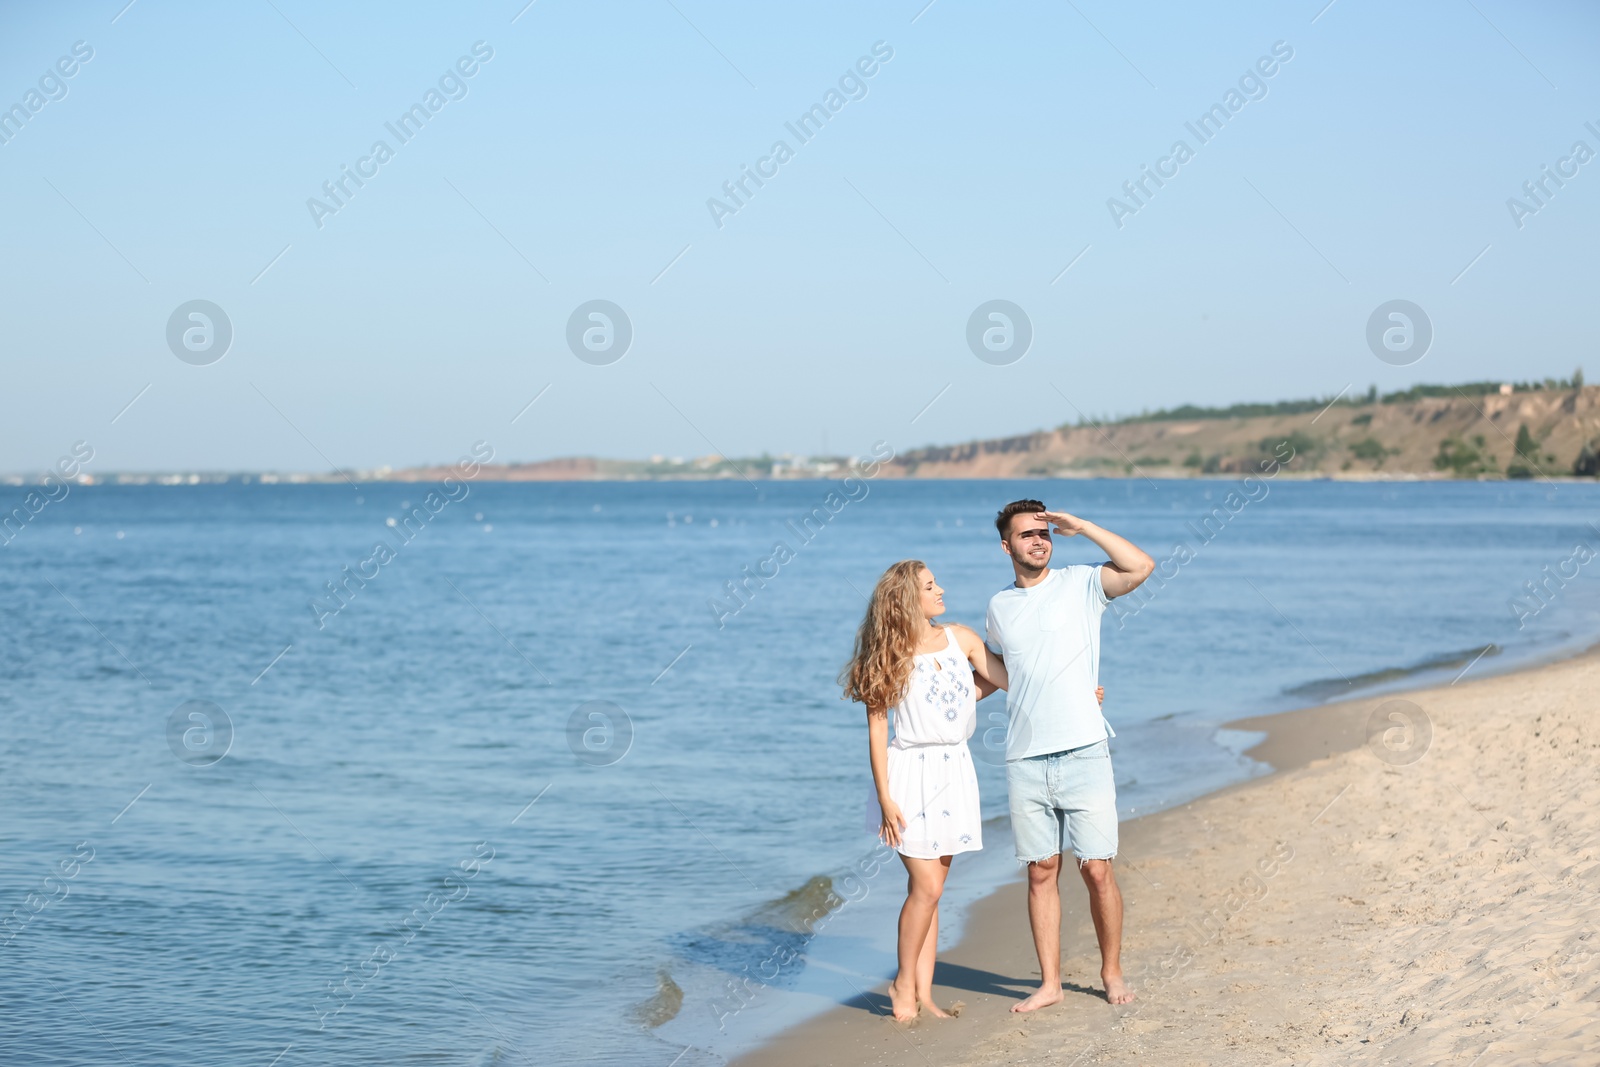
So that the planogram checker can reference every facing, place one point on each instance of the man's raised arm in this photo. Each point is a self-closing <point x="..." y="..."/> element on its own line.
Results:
<point x="1129" y="565"/>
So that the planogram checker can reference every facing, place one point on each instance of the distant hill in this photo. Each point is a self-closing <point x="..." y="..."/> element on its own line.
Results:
<point x="1549" y="429"/>
<point x="1475" y="430"/>
<point x="1434" y="432"/>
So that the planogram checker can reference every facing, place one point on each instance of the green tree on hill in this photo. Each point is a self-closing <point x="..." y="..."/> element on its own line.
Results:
<point x="1527" y="465"/>
<point x="1527" y="447"/>
<point x="1587" y="465"/>
<point x="1462" y="459"/>
<point x="1301" y="442"/>
<point x="1370" y="449"/>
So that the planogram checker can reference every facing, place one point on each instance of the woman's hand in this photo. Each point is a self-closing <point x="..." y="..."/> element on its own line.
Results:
<point x="893" y="823"/>
<point x="1100" y="693"/>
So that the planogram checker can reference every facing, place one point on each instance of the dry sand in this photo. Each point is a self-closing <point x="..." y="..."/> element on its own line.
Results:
<point x="1360" y="906"/>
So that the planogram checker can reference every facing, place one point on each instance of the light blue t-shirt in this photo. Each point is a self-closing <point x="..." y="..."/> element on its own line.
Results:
<point x="1049" y="635"/>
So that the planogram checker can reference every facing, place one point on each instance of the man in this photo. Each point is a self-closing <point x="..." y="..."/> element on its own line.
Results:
<point x="1058" y="760"/>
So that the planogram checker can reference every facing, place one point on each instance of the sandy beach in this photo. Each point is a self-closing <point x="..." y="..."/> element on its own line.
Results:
<point x="1417" y="883"/>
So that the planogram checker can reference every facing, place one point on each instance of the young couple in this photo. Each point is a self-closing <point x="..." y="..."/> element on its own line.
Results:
<point x="1046" y="628"/>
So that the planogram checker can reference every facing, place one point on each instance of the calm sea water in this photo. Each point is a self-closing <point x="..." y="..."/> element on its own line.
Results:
<point x="522" y="799"/>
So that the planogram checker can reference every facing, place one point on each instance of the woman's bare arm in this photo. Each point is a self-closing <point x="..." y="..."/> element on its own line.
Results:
<point x="878" y="742"/>
<point x="987" y="665"/>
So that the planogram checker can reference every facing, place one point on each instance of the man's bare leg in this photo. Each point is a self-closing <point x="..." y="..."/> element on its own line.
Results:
<point x="925" y="962"/>
<point x="1105" y="905"/>
<point x="924" y="884"/>
<point x="1044" y="915"/>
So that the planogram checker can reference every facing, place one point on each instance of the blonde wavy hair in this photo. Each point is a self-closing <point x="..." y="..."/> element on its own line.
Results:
<point x="887" y="639"/>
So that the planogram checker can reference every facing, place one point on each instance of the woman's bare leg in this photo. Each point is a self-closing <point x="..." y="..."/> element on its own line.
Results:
<point x="924" y="884"/>
<point x="925" y="961"/>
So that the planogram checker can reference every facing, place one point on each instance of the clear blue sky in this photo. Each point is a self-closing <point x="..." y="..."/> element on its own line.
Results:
<point x="415" y="321"/>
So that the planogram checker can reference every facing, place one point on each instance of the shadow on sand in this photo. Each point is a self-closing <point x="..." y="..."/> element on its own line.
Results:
<point x="970" y="980"/>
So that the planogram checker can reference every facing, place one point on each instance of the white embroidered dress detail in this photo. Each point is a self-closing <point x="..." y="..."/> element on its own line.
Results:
<point x="931" y="775"/>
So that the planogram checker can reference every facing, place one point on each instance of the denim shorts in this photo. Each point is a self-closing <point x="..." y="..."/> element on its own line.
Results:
<point x="1064" y="801"/>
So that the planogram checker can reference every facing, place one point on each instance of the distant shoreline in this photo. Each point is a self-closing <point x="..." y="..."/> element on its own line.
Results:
<point x="1441" y="434"/>
<point x="410" y="478"/>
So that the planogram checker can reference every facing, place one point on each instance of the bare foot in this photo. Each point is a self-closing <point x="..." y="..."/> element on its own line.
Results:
<point x="905" y="1003"/>
<point x="1043" y="998"/>
<point x="1117" y="991"/>
<point x="933" y="1009"/>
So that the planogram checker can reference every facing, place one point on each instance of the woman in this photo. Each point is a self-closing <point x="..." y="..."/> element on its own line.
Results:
<point x="926" y="808"/>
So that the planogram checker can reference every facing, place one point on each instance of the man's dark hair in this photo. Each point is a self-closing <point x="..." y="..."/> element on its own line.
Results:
<point x="1002" y="521"/>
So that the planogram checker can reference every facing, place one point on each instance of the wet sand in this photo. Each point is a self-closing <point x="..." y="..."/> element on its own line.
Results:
<point x="1427" y="894"/>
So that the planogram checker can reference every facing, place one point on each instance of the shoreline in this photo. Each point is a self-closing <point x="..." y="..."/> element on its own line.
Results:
<point x="993" y="965"/>
<point x="411" y="476"/>
<point x="1399" y="436"/>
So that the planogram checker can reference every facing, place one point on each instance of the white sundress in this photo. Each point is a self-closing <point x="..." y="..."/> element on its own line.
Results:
<point x="931" y="775"/>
